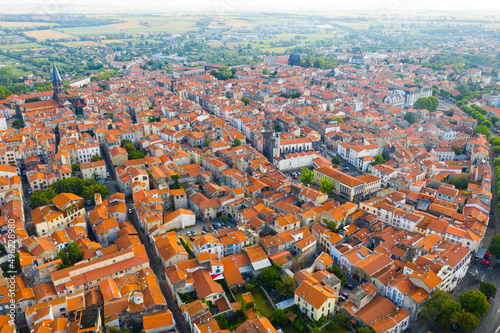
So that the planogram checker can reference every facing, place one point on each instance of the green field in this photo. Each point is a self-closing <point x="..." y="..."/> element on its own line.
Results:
<point x="22" y="46"/>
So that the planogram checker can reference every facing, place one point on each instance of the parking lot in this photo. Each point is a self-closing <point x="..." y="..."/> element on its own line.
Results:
<point x="197" y="229"/>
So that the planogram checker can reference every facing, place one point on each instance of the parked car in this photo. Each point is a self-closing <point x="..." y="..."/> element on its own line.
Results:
<point x="205" y="229"/>
<point x="295" y="177"/>
<point x="203" y="232"/>
<point x="130" y="211"/>
<point x="344" y="165"/>
<point x="89" y="202"/>
<point x="215" y="226"/>
<point x="346" y="296"/>
<point x="219" y="225"/>
<point x="212" y="227"/>
<point x="192" y="239"/>
<point x="348" y="286"/>
<point x="188" y="233"/>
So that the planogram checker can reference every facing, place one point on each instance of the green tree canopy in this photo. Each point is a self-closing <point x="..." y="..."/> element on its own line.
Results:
<point x="488" y="289"/>
<point x="269" y="277"/>
<point x="363" y="329"/>
<point x="279" y="318"/>
<point x="286" y="285"/>
<point x="245" y="100"/>
<point x="96" y="158"/>
<point x="494" y="248"/>
<point x="307" y="176"/>
<point x="326" y="185"/>
<point x="442" y="309"/>
<point x="481" y="129"/>
<point x="379" y="159"/>
<point x="461" y="182"/>
<point x="335" y="160"/>
<point x="409" y="117"/>
<point x="338" y="273"/>
<point x="18" y="123"/>
<point x="236" y="142"/>
<point x="475" y="302"/>
<point x="469" y="321"/>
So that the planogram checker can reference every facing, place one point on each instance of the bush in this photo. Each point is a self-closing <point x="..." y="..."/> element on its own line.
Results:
<point x="250" y="287"/>
<point x="496" y="150"/>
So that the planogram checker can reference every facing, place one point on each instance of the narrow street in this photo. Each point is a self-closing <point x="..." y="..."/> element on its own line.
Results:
<point x="157" y="267"/>
<point x="154" y="261"/>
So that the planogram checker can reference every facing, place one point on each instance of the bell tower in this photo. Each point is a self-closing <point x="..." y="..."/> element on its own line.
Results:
<point x="56" y="82"/>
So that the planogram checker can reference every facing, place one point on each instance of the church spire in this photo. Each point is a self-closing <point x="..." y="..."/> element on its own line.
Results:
<point x="55" y="73"/>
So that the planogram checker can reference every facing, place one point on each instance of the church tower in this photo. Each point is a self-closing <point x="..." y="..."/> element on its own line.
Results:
<point x="174" y="86"/>
<point x="271" y="144"/>
<point x="56" y="82"/>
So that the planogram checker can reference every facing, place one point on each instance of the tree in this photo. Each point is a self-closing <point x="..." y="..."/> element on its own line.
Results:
<point x="176" y="184"/>
<point x="206" y="142"/>
<point x="245" y="100"/>
<point x="442" y="309"/>
<point x="96" y="158"/>
<point x="279" y="318"/>
<point x="434" y="103"/>
<point x="18" y="123"/>
<point x="307" y="176"/>
<point x="338" y="273"/>
<point x="409" y="117"/>
<point x="222" y="321"/>
<point x="42" y="198"/>
<point x="326" y="185"/>
<point x="339" y="120"/>
<point x="363" y="329"/>
<point x="336" y="160"/>
<point x="461" y="182"/>
<point x="265" y="71"/>
<point x="223" y="218"/>
<point x="378" y="160"/>
<point x="488" y="289"/>
<point x="475" y="302"/>
<point x="457" y="150"/>
<point x="422" y="103"/>
<point x="469" y="321"/>
<point x="316" y="329"/>
<point x="494" y="248"/>
<point x="286" y="286"/>
<point x="494" y="119"/>
<point x="269" y="277"/>
<point x="74" y="252"/>
<point x="236" y="142"/>
<point x="277" y="127"/>
<point x="481" y="129"/>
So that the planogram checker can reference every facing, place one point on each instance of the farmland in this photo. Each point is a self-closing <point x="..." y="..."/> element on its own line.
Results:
<point x="40" y="35"/>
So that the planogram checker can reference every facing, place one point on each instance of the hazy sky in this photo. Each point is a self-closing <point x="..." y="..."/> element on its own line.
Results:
<point x="491" y="6"/>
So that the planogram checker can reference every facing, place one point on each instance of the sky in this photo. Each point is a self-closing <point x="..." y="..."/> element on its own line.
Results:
<point x="491" y="6"/>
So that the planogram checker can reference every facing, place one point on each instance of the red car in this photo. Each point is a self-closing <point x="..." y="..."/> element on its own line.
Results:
<point x="295" y="177"/>
<point x="487" y="255"/>
<point x="192" y="239"/>
<point x="485" y="262"/>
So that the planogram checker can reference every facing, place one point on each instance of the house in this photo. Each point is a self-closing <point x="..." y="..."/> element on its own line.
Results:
<point x="94" y="170"/>
<point x="315" y="301"/>
<point x="65" y="207"/>
<point x="206" y="288"/>
<point x="210" y="244"/>
<point x="179" y="219"/>
<point x="162" y="321"/>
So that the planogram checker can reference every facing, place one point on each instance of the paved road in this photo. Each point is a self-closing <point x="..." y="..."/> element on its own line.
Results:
<point x="159" y="271"/>
<point x="154" y="260"/>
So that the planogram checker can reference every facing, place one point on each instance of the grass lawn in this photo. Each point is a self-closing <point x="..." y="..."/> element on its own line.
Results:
<point x="292" y="329"/>
<point x="261" y="304"/>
